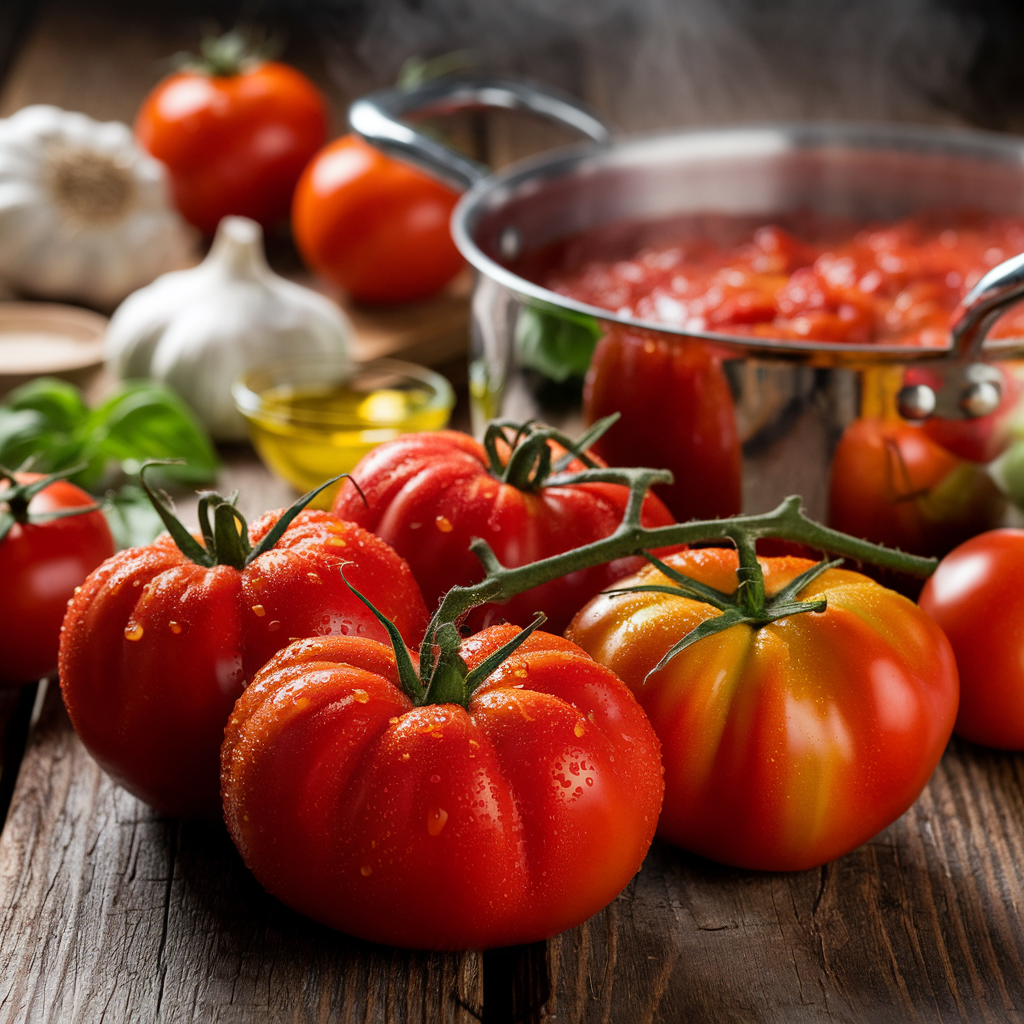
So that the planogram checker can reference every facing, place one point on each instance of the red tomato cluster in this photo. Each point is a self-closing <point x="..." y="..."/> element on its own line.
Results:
<point x="236" y="139"/>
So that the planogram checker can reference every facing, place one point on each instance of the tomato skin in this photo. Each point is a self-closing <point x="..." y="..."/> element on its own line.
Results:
<point x="234" y="144"/>
<point x="788" y="746"/>
<point x="374" y="226"/>
<point x="429" y="494"/>
<point x="975" y="596"/>
<point x="677" y="414"/>
<point x="892" y="484"/>
<point x="440" y="827"/>
<point x="156" y="649"/>
<point x="40" y="566"/>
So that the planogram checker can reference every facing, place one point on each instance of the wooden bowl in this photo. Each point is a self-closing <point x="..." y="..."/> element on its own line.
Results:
<point x="45" y="338"/>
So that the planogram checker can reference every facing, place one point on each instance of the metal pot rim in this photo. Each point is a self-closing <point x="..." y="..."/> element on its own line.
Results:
<point x="753" y="140"/>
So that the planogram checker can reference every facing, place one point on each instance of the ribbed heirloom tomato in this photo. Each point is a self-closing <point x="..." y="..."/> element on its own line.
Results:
<point x="791" y="743"/>
<point x="42" y="560"/>
<point x="235" y="133"/>
<point x="498" y="816"/>
<point x="428" y="495"/>
<point x="159" y="643"/>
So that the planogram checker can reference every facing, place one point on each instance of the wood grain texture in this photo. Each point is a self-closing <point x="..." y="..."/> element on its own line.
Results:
<point x="920" y="924"/>
<point x="110" y="913"/>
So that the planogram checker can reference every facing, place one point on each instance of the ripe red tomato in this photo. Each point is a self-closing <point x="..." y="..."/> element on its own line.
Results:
<point x="234" y="143"/>
<point x="788" y="745"/>
<point x="156" y="648"/>
<point x="975" y="596"/>
<point x="677" y="414"/>
<point x="892" y="484"/>
<point x="429" y="494"/>
<point x="441" y="826"/>
<point x="41" y="564"/>
<point x="374" y="226"/>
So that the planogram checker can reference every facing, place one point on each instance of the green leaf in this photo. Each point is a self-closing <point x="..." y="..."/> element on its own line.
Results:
<point x="556" y="342"/>
<point x="144" y="420"/>
<point x="716" y="624"/>
<point x="131" y="517"/>
<point x="59" y="403"/>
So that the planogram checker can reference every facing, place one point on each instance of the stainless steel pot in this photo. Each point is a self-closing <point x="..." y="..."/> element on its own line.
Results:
<point x="793" y="398"/>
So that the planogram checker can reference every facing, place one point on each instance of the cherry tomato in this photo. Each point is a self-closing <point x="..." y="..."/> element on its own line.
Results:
<point x="376" y="227"/>
<point x="892" y="484"/>
<point x="677" y="414"/>
<point x="234" y="143"/>
<point x="785" y="746"/>
<point x="156" y="648"/>
<point x="41" y="564"/>
<point x="975" y="596"/>
<point x="441" y="826"/>
<point x="429" y="494"/>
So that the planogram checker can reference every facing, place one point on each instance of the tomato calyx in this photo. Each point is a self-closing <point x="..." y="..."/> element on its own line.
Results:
<point x="747" y="604"/>
<point x="226" y="536"/>
<point x="18" y="496"/>
<point x="227" y="55"/>
<point x="448" y="679"/>
<point x="529" y="465"/>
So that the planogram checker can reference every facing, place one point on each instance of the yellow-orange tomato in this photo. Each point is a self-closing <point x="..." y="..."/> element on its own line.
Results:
<point x="787" y="745"/>
<point x="374" y="226"/>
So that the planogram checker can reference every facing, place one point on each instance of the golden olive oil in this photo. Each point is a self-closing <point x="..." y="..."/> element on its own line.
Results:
<point x="309" y="434"/>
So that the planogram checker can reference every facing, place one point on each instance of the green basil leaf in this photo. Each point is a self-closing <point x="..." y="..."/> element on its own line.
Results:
<point x="144" y="420"/>
<point x="131" y="517"/>
<point x="25" y="434"/>
<point x="558" y="343"/>
<point x="58" y="403"/>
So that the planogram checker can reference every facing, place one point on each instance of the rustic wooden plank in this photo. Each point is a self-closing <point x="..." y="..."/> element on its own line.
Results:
<point x="920" y="924"/>
<point x="111" y="913"/>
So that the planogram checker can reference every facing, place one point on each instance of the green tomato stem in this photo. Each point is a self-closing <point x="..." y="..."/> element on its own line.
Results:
<point x="786" y="522"/>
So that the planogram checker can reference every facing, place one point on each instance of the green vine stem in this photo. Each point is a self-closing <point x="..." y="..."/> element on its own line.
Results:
<point x="786" y="522"/>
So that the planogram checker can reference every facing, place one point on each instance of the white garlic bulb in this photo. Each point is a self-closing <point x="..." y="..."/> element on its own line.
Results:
<point x="196" y="330"/>
<point x="85" y="214"/>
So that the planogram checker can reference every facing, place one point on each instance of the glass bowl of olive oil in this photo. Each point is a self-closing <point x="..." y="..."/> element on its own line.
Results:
<point x="311" y="418"/>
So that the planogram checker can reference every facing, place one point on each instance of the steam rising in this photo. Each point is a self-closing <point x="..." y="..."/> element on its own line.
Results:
<point x="661" y="63"/>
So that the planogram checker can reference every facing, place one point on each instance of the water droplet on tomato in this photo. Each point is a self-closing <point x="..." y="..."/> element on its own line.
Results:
<point x="366" y="871"/>
<point x="443" y="523"/>
<point x="579" y="729"/>
<point x="273" y="626"/>
<point x="435" y="778"/>
<point x="437" y="818"/>
<point x="133" y="632"/>
<point x="258" y="610"/>
<point x="361" y="695"/>
<point x="174" y="627"/>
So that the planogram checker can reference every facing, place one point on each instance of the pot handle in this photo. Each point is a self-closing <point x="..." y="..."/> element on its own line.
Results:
<point x="965" y="385"/>
<point x="381" y="118"/>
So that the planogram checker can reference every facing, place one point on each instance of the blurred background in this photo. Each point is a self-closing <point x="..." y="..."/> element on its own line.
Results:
<point x="643" y="63"/>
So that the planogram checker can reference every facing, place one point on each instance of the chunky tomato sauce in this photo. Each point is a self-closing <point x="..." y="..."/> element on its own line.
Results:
<point x="893" y="283"/>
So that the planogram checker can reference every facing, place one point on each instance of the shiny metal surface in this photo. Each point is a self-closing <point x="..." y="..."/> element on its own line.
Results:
<point x="793" y="399"/>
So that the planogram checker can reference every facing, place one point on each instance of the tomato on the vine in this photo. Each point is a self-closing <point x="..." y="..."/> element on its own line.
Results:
<point x="790" y="743"/>
<point x="42" y="561"/>
<point x="892" y="484"/>
<point x="677" y="414"/>
<point x="502" y="817"/>
<point x="975" y="596"/>
<point x="374" y="226"/>
<point x="235" y="133"/>
<point x="159" y="641"/>
<point x="429" y="494"/>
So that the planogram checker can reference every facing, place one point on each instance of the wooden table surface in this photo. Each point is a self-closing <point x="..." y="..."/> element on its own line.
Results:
<point x="111" y="913"/>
